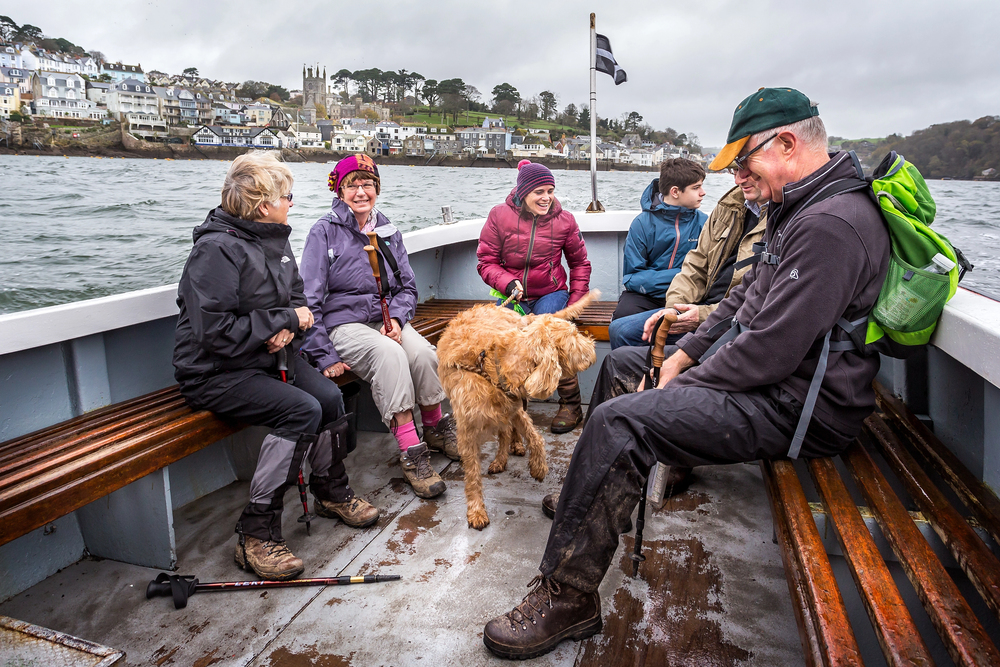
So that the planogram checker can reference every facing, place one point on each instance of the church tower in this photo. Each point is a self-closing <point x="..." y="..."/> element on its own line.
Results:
<point x="313" y="92"/>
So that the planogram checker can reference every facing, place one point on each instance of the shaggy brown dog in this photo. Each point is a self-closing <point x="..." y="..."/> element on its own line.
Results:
<point x="490" y="361"/>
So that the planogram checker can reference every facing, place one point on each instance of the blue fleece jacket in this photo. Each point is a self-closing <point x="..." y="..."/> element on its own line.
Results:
<point x="657" y="243"/>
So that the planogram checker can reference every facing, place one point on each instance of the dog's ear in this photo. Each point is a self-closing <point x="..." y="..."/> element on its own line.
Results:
<point x="544" y="377"/>
<point x="579" y="353"/>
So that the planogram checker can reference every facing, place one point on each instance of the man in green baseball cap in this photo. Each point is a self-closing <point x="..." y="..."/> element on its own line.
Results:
<point x="746" y="385"/>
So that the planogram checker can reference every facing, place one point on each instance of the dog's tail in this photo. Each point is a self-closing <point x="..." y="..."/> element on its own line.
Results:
<point x="574" y="311"/>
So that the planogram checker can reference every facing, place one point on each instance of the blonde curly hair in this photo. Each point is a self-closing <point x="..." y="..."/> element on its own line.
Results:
<point x="253" y="179"/>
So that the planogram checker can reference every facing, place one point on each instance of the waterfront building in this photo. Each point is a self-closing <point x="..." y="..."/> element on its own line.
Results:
<point x="446" y="143"/>
<point x="484" y="140"/>
<point x="10" y="100"/>
<point x="180" y="105"/>
<point x="257" y="114"/>
<point x="227" y="114"/>
<point x="308" y="136"/>
<point x="17" y="77"/>
<point x="146" y="126"/>
<point x="98" y="92"/>
<point x="132" y="96"/>
<point x="281" y="120"/>
<point x="236" y="135"/>
<point x="10" y="56"/>
<point x="119" y="72"/>
<point x="62" y="96"/>
<point x="348" y="143"/>
<point x="641" y="157"/>
<point x="414" y="146"/>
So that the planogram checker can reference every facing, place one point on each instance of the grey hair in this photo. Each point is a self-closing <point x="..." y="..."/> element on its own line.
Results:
<point x="253" y="179"/>
<point x="811" y="132"/>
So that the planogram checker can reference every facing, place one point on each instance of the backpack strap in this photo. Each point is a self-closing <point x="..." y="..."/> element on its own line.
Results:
<point x="732" y="329"/>
<point x="391" y="259"/>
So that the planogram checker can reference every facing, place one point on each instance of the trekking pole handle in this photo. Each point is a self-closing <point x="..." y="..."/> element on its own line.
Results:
<point x="660" y="341"/>
<point x="373" y="258"/>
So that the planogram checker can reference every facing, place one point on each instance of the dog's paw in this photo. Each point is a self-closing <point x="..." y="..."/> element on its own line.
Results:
<point x="478" y="519"/>
<point x="539" y="472"/>
<point x="496" y="467"/>
<point x="517" y="448"/>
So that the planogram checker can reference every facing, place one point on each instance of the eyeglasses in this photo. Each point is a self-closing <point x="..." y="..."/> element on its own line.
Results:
<point x="357" y="187"/>
<point x="740" y="163"/>
<point x="288" y="197"/>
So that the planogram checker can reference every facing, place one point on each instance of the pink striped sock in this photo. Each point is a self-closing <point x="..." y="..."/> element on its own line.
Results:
<point x="406" y="435"/>
<point x="430" y="418"/>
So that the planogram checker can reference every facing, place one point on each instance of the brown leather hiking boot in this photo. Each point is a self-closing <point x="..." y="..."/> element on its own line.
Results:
<point x="443" y="438"/>
<point x="270" y="560"/>
<point x="550" y="613"/>
<point x="570" y="412"/>
<point x="356" y="512"/>
<point x="416" y="462"/>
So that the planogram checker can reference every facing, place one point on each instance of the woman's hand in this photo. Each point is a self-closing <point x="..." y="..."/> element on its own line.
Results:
<point x="305" y="317"/>
<point x="336" y="370"/>
<point x="396" y="333"/>
<point x="279" y="340"/>
<point x="687" y="318"/>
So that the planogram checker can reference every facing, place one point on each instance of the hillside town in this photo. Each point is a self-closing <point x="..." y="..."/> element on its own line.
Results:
<point x="40" y="87"/>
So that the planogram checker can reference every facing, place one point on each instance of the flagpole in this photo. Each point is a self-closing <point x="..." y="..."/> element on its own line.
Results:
<point x="595" y="205"/>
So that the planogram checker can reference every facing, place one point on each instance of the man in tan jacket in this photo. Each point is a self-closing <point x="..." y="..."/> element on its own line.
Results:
<point x="717" y="265"/>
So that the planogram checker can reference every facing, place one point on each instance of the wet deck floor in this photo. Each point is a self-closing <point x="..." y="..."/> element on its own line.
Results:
<point x="711" y="592"/>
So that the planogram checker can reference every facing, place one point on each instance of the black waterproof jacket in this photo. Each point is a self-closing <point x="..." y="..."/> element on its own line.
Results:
<point x="240" y="286"/>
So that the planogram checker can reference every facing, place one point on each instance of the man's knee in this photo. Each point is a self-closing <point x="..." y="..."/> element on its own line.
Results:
<point x="305" y="415"/>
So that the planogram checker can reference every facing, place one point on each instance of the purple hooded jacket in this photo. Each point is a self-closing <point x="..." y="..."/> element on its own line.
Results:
<point x="339" y="285"/>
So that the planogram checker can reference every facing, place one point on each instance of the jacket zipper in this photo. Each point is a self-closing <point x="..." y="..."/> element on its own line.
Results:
<point x="677" y="240"/>
<point x="527" y="259"/>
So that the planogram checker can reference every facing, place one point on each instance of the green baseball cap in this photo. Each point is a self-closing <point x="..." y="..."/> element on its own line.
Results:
<point x="764" y="110"/>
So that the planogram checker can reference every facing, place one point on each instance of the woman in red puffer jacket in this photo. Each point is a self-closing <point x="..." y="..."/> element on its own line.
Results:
<point x="520" y="253"/>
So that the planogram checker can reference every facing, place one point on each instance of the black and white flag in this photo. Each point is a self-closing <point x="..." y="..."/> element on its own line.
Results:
<point x="606" y="61"/>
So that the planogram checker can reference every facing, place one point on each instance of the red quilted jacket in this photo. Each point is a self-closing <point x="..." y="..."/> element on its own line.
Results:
<point x="521" y="247"/>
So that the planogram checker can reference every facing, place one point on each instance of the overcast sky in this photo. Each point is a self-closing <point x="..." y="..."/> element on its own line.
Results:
<point x="874" y="67"/>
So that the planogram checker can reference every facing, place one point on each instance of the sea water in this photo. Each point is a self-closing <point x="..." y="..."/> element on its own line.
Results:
<point x="79" y="228"/>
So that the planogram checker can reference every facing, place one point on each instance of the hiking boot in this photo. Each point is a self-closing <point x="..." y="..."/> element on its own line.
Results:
<point x="550" y="613"/>
<point x="443" y="438"/>
<point x="570" y="412"/>
<point x="416" y="462"/>
<point x="356" y="512"/>
<point x="549" y="504"/>
<point x="270" y="560"/>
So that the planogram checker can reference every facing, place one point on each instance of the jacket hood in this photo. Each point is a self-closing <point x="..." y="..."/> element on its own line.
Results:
<point x="651" y="203"/>
<point x="554" y="210"/>
<point x="218" y="220"/>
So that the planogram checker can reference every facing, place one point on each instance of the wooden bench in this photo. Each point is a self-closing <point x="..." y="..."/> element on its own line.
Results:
<point x="433" y="316"/>
<point x="54" y="471"/>
<point x="905" y="445"/>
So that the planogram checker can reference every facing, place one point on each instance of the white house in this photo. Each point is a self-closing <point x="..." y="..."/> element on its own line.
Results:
<point x="235" y="135"/>
<point x="10" y="100"/>
<point x="132" y="96"/>
<point x="348" y="142"/>
<point x="16" y="77"/>
<point x="10" y="56"/>
<point x="119" y="72"/>
<point x="62" y="96"/>
<point x="308" y="135"/>
<point x="643" y="158"/>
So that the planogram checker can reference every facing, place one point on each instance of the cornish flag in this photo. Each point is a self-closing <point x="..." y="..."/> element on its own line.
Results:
<point x="606" y="61"/>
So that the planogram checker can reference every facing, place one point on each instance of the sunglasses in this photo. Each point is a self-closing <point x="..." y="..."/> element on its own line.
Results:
<point x="288" y="197"/>
<point x="740" y="163"/>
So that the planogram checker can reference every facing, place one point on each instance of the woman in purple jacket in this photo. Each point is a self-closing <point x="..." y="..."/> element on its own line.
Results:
<point x="349" y="333"/>
<point x="520" y="253"/>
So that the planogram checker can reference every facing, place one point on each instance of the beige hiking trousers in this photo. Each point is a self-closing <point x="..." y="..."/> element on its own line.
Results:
<point x="401" y="376"/>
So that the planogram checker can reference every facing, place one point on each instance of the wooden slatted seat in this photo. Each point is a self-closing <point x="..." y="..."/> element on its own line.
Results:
<point x="54" y="471"/>
<point x="433" y="316"/>
<point x="906" y="444"/>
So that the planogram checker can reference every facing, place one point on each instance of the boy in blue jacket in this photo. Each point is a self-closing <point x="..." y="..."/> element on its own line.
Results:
<point x="658" y="240"/>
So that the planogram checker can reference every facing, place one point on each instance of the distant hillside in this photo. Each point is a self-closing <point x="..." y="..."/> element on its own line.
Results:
<point x="961" y="149"/>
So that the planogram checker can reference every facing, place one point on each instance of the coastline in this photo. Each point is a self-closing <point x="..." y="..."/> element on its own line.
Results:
<point x="158" y="151"/>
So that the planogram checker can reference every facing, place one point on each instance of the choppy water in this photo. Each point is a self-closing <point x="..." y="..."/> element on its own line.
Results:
<point x="79" y="228"/>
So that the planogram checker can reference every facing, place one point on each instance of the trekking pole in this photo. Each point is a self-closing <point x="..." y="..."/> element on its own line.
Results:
<point x="307" y="516"/>
<point x="659" y="342"/>
<point x="181" y="587"/>
<point x="373" y="260"/>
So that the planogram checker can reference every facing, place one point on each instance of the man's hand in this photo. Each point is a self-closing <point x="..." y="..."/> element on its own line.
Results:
<point x="336" y="370"/>
<point x="396" y="333"/>
<point x="647" y="328"/>
<point x="673" y="366"/>
<point x="687" y="318"/>
<point x="305" y="317"/>
<point x="279" y="340"/>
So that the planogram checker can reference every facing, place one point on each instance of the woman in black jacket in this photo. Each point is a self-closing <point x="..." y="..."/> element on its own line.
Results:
<point x="242" y="314"/>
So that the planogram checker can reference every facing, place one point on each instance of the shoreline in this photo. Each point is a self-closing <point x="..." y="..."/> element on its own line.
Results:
<point x="156" y="151"/>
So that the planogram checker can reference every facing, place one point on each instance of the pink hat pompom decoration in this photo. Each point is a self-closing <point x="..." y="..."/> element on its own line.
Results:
<point x="522" y="163"/>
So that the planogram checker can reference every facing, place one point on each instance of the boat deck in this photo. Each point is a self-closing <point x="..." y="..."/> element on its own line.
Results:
<point x="711" y="592"/>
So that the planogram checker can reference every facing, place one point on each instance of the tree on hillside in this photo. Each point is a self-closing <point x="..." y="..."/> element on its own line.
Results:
<point x="505" y="98"/>
<point x="547" y="102"/>
<point x="584" y="121"/>
<point x="8" y="29"/>
<point x="27" y="33"/>
<point x="429" y="91"/>
<point x="341" y="79"/>
<point x="631" y="121"/>
<point x="190" y="71"/>
<point x="98" y="56"/>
